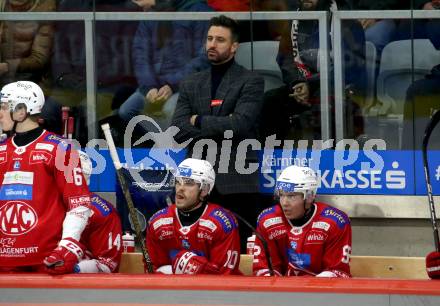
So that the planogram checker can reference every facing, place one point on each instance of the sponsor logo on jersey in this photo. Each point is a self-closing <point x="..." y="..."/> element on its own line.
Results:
<point x="265" y="212"/>
<point x="204" y="235"/>
<point x="208" y="224"/>
<point x="315" y="237"/>
<point x="79" y="201"/>
<point x="44" y="146"/>
<point x="162" y="221"/>
<point x="17" y="218"/>
<point x="272" y="221"/>
<point x="3" y="148"/>
<point x="102" y="205"/>
<point x="163" y="211"/>
<point x="18" y="177"/>
<point x="3" y="157"/>
<point x="39" y="157"/>
<point x="20" y="150"/>
<point x="16" y="192"/>
<point x="187" y="172"/>
<point x="336" y="215"/>
<point x="165" y="234"/>
<point x="296" y="230"/>
<point x="300" y="260"/>
<point x="276" y="233"/>
<point x="227" y="223"/>
<point x="321" y="225"/>
<point x="62" y="143"/>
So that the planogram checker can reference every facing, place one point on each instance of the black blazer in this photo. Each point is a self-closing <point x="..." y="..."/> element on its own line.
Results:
<point x="241" y="93"/>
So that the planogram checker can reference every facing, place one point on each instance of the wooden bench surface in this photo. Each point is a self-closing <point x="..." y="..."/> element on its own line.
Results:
<point x="361" y="266"/>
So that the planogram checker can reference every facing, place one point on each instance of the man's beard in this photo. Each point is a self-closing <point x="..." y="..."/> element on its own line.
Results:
<point x="218" y="58"/>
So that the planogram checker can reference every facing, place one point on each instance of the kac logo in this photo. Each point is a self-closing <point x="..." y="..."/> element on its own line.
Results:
<point x="17" y="218"/>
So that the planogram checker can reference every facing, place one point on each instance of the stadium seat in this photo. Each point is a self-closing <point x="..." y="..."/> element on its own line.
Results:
<point x="370" y="62"/>
<point x="264" y="60"/>
<point x="396" y="71"/>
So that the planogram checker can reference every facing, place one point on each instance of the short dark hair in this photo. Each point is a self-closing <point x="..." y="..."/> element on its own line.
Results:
<point x="226" y="22"/>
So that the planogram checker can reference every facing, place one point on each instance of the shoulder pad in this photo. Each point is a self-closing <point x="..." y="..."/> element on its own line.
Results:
<point x="158" y="214"/>
<point x="224" y="218"/>
<point x="265" y="212"/>
<point x="58" y="140"/>
<point x="338" y="216"/>
<point x="101" y="205"/>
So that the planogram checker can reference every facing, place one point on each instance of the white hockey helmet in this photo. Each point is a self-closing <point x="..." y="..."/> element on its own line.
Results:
<point x="86" y="165"/>
<point x="297" y="179"/>
<point x="23" y="92"/>
<point x="199" y="170"/>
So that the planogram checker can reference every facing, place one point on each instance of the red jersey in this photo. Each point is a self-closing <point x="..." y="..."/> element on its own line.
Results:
<point x="322" y="244"/>
<point x="41" y="181"/>
<point x="103" y="233"/>
<point x="214" y="236"/>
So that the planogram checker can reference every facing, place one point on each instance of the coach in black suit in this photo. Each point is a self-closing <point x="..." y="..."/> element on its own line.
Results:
<point x="225" y="97"/>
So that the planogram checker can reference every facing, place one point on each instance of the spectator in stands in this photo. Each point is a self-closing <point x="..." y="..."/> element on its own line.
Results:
<point x="164" y="52"/>
<point x="421" y="28"/>
<point x="304" y="237"/>
<point x="379" y="31"/>
<point x="25" y="46"/>
<point x="194" y="236"/>
<point x="299" y="63"/>
<point x="422" y="100"/>
<point x="224" y="101"/>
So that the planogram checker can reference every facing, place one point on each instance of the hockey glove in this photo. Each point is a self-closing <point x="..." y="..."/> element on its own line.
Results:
<point x="433" y="265"/>
<point x="190" y="263"/>
<point x="63" y="259"/>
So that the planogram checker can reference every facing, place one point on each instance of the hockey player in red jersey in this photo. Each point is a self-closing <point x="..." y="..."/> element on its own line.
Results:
<point x="304" y="237"/>
<point x="44" y="199"/>
<point x="103" y="233"/>
<point x="433" y="265"/>
<point x="194" y="236"/>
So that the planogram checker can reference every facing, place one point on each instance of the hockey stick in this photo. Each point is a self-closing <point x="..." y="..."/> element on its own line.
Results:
<point x="131" y="209"/>
<point x="263" y="242"/>
<point x="429" y="128"/>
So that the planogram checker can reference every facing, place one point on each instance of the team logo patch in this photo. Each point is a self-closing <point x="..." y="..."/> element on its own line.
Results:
<point x="102" y="206"/>
<point x="39" y="157"/>
<point x="17" y="218"/>
<point x="227" y="223"/>
<point x="321" y="225"/>
<point x="19" y="150"/>
<point x="45" y="146"/>
<point x="184" y="230"/>
<point x="335" y="214"/>
<point x="17" y="165"/>
<point x="296" y="230"/>
<point x="185" y="244"/>
<point x="293" y="245"/>
<point x="3" y="157"/>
